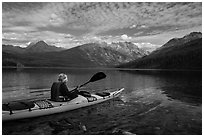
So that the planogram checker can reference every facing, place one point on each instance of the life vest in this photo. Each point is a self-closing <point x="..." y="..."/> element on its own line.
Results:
<point x="55" y="91"/>
<point x="56" y="94"/>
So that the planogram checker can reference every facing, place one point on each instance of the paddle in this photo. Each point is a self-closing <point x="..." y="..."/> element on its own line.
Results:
<point x="95" y="77"/>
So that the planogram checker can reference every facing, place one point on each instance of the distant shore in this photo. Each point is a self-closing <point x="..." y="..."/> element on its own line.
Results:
<point x="104" y="68"/>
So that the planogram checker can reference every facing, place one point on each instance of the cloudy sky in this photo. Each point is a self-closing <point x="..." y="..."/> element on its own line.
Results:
<point x="71" y="24"/>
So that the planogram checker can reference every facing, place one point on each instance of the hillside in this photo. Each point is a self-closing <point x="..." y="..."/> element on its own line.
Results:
<point x="112" y="54"/>
<point x="12" y="49"/>
<point x="87" y="55"/>
<point x="177" y="53"/>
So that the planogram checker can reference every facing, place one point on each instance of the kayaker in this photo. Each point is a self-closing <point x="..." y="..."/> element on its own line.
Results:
<point x="59" y="90"/>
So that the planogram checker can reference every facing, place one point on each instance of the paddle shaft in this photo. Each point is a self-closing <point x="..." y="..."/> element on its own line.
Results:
<point x="84" y="84"/>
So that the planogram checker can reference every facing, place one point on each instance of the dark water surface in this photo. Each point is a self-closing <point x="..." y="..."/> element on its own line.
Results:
<point x="154" y="102"/>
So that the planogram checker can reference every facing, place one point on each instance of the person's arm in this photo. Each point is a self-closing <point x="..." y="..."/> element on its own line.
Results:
<point x="64" y="90"/>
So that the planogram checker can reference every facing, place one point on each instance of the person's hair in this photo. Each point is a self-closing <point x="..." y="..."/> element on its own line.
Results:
<point x="62" y="77"/>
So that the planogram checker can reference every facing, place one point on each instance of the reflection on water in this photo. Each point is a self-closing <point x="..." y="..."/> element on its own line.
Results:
<point x="175" y="85"/>
<point x="176" y="97"/>
<point x="156" y="85"/>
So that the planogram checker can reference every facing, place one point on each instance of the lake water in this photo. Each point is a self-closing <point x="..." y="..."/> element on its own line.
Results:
<point x="154" y="102"/>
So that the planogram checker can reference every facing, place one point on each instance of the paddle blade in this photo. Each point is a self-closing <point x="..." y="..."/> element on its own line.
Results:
<point x="97" y="76"/>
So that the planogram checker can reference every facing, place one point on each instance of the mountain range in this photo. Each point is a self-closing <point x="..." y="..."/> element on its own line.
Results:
<point x="177" y="53"/>
<point x="37" y="47"/>
<point x="87" y="55"/>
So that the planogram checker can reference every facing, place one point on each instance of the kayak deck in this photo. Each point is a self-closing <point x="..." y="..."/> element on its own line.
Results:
<point x="47" y="107"/>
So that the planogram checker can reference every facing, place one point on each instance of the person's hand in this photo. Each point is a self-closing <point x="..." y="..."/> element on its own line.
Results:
<point x="76" y="87"/>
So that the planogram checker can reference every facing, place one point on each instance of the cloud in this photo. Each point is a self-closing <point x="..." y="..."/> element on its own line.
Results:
<point x="125" y="37"/>
<point x="154" y="32"/>
<point x="148" y="46"/>
<point x="164" y="36"/>
<point x="19" y="29"/>
<point x="133" y="26"/>
<point x="52" y="38"/>
<point x="91" y="19"/>
<point x="100" y="17"/>
<point x="138" y="33"/>
<point x="143" y="26"/>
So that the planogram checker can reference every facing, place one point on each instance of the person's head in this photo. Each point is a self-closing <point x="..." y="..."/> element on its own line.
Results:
<point x="62" y="78"/>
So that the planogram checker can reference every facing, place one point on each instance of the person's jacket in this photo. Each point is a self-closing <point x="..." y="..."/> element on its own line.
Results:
<point x="59" y="91"/>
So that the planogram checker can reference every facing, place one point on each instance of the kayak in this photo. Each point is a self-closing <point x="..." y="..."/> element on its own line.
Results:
<point x="21" y="110"/>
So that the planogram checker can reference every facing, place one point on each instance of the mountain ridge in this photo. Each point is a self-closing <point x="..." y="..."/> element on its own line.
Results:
<point x="177" y="53"/>
<point x="184" y="39"/>
<point x="91" y="54"/>
<point x="39" y="46"/>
